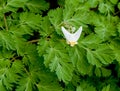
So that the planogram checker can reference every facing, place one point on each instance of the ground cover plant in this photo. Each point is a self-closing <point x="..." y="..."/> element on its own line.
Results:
<point x="34" y="55"/>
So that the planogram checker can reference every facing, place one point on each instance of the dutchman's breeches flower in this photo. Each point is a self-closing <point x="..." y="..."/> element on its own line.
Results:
<point x="72" y="38"/>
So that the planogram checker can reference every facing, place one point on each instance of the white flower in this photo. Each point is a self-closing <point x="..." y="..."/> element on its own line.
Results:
<point x="72" y="38"/>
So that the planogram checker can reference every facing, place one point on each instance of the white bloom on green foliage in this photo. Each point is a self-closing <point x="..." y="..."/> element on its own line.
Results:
<point x="72" y="38"/>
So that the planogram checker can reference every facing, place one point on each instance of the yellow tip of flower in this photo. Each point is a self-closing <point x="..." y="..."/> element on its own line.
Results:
<point x="71" y="43"/>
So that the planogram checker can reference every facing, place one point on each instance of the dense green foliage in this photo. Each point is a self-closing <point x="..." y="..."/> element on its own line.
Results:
<point x="34" y="55"/>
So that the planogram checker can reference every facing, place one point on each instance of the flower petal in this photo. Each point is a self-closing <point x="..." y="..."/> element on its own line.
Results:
<point x="66" y="33"/>
<point x="77" y="34"/>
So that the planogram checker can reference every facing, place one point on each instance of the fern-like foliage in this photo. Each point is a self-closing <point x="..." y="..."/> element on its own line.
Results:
<point x="34" y="55"/>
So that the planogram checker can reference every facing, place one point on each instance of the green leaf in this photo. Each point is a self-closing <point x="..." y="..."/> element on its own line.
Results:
<point x="116" y="49"/>
<point x="102" y="55"/>
<point x="43" y="44"/>
<point x="57" y="59"/>
<point x="6" y="54"/>
<point x="93" y="3"/>
<point x="114" y="1"/>
<point x="107" y="88"/>
<point x="35" y="57"/>
<point x="69" y="87"/>
<point x="85" y="87"/>
<point x="78" y="18"/>
<point x="49" y="87"/>
<point x="48" y="81"/>
<point x="105" y="54"/>
<point x="6" y="40"/>
<point x="2" y="87"/>
<point x="92" y="59"/>
<point x="19" y="45"/>
<point x="69" y="9"/>
<point x="79" y="60"/>
<point x="102" y="72"/>
<point x="64" y="72"/>
<point x="46" y="27"/>
<point x="61" y="2"/>
<point x="106" y="8"/>
<point x="37" y="6"/>
<point x="30" y="75"/>
<point x="36" y="75"/>
<point x="104" y="27"/>
<point x="75" y="14"/>
<point x="105" y="72"/>
<point x="12" y="74"/>
<point x="16" y="3"/>
<point x="74" y="9"/>
<point x="91" y="41"/>
<point x="28" y="84"/>
<point x="9" y="72"/>
<point x="11" y="5"/>
<point x="49" y="56"/>
<point x="98" y="72"/>
<point x="29" y="20"/>
<point x="55" y="17"/>
<point x="118" y="27"/>
<point x="119" y="5"/>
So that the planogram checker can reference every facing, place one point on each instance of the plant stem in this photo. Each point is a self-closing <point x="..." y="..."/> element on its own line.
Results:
<point x="117" y="13"/>
<point x="5" y="23"/>
<point x="33" y="41"/>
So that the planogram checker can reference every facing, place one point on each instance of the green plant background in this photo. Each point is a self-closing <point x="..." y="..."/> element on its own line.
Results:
<point x="34" y="55"/>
